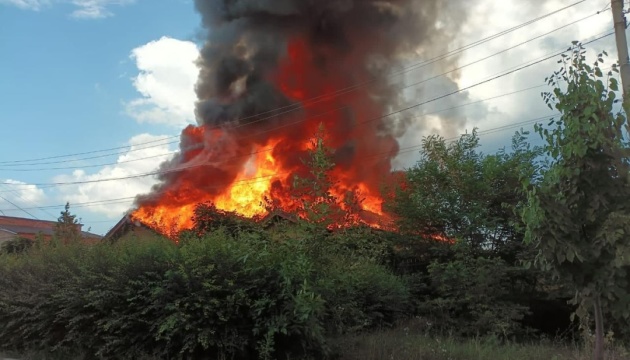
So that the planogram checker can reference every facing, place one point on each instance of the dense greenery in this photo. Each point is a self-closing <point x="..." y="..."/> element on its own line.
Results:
<point x="217" y="294"/>
<point x="467" y="226"/>
<point x="478" y="286"/>
<point x="579" y="215"/>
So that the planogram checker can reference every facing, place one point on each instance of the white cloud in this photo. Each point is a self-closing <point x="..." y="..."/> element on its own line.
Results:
<point x="86" y="9"/>
<point x="94" y="9"/>
<point x="489" y="18"/>
<point x="526" y="105"/>
<point x="17" y="195"/>
<point x="26" y="4"/>
<point x="166" y="81"/>
<point x="140" y="159"/>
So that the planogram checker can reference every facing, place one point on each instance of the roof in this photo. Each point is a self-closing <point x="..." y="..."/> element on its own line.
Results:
<point x="9" y="231"/>
<point x="16" y="229"/>
<point x="124" y="225"/>
<point x="19" y="225"/>
<point x="277" y="215"/>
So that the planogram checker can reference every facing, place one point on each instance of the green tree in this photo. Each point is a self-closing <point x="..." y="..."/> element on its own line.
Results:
<point x="578" y="216"/>
<point x="314" y="191"/>
<point x="67" y="228"/>
<point x="458" y="192"/>
<point x="207" y="219"/>
<point x="476" y="286"/>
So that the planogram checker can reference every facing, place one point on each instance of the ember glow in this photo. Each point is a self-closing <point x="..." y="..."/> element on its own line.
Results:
<point x="270" y="74"/>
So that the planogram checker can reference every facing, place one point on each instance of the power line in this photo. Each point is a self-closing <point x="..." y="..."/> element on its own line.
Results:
<point x="95" y="151"/>
<point x="257" y="179"/>
<point x="298" y="121"/>
<point x="92" y="157"/>
<point x="413" y="67"/>
<point x="14" y="191"/>
<point x="373" y="119"/>
<point x="434" y="77"/>
<point x="89" y="166"/>
<point x="503" y="51"/>
<point x="17" y="206"/>
<point x="333" y="94"/>
<point x="269" y="149"/>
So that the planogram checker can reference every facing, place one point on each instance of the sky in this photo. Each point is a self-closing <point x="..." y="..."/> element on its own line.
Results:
<point x="112" y="82"/>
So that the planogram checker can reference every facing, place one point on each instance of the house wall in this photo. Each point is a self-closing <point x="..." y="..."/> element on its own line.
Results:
<point x="32" y="236"/>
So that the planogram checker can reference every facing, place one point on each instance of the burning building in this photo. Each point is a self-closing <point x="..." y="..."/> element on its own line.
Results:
<point x="272" y="71"/>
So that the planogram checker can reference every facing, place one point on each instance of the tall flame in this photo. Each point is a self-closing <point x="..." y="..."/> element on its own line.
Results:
<point x="270" y="74"/>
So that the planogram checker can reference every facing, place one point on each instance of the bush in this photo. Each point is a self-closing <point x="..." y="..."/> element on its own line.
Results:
<point x="471" y="296"/>
<point x="92" y="299"/>
<point x="222" y="295"/>
<point x="17" y="245"/>
<point x="361" y="297"/>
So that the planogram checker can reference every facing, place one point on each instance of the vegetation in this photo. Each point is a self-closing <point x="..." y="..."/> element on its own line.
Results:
<point x="16" y="245"/>
<point x="451" y="283"/>
<point x="67" y="227"/>
<point x="411" y="343"/>
<point x="579" y="214"/>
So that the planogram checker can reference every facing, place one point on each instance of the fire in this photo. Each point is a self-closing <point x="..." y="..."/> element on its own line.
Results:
<point x="258" y="115"/>
<point x="261" y="176"/>
<point x="251" y="185"/>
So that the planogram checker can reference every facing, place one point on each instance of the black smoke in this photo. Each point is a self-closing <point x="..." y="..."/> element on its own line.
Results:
<point x="353" y="44"/>
<point x="247" y="38"/>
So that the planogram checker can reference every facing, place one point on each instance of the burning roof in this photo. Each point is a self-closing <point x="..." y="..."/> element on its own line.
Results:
<point x="270" y="73"/>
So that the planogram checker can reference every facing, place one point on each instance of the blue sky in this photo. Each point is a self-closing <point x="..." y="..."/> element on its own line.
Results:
<point x="63" y="79"/>
<point x="85" y="75"/>
<point x="65" y="82"/>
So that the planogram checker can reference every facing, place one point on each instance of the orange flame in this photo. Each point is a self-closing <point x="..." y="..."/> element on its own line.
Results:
<point x="256" y="170"/>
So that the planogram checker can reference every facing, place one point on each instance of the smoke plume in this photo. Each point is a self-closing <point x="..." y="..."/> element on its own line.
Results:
<point x="272" y="70"/>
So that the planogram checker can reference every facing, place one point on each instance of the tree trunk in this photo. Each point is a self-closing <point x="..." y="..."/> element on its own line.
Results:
<point x="598" y="353"/>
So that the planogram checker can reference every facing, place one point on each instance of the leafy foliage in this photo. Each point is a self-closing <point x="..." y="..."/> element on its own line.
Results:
<point x="579" y="215"/>
<point x="314" y="191"/>
<point x="456" y="191"/>
<point x="234" y="295"/>
<point x="476" y="287"/>
<point x="67" y="227"/>
<point x="473" y="297"/>
<point x="17" y="245"/>
<point x="207" y="219"/>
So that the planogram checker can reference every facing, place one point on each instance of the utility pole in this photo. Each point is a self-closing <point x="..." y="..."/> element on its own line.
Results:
<point x="622" y="45"/>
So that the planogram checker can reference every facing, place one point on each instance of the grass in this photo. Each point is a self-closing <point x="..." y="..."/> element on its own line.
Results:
<point x="401" y="344"/>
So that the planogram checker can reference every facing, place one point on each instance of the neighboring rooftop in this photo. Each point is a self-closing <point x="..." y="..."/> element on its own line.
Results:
<point x="126" y="225"/>
<point x="30" y="228"/>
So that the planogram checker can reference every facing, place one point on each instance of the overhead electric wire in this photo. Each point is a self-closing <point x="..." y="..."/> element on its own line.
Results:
<point x="405" y="69"/>
<point x="434" y="77"/>
<point x="269" y="149"/>
<point x="16" y="193"/>
<point x="284" y="125"/>
<point x="19" y="208"/>
<point x="246" y="181"/>
<point x="435" y="98"/>
<point x="373" y="119"/>
<point x="403" y="150"/>
<point x="92" y="157"/>
<point x="326" y="96"/>
<point x="95" y="151"/>
<point x="91" y="166"/>
<point x="502" y="51"/>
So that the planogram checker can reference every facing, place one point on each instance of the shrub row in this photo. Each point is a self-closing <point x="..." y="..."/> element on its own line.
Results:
<point x="218" y="296"/>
